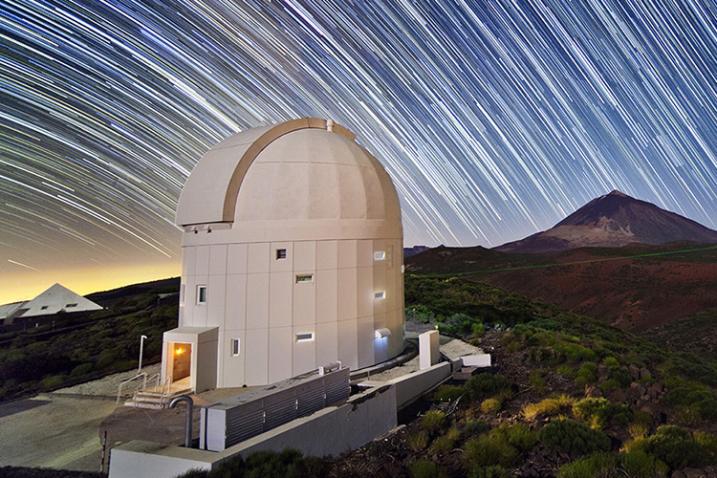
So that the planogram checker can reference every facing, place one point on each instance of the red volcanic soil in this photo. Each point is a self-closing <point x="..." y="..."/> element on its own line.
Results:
<point x="629" y="293"/>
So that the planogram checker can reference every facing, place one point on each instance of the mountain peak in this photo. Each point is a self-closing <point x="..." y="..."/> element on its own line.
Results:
<point x="615" y="220"/>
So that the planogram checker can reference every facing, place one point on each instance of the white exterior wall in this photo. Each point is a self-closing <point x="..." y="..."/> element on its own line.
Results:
<point x="254" y="297"/>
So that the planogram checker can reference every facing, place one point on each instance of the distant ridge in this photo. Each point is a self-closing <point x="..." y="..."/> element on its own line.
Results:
<point x="614" y="220"/>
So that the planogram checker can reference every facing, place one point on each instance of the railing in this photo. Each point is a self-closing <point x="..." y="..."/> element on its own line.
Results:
<point x="142" y="375"/>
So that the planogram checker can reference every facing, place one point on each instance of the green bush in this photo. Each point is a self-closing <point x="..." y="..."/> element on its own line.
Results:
<point x="548" y="407"/>
<point x="484" y="385"/>
<point x="598" y="465"/>
<point x="424" y="469"/>
<point x="432" y="421"/>
<point x="573" y="437"/>
<point x="288" y="463"/>
<point x="53" y="382"/>
<point x="445" y="443"/>
<point x="478" y="329"/>
<point x="448" y="393"/>
<point x="472" y="428"/>
<point x="638" y="464"/>
<point x="586" y="374"/>
<point x="537" y="380"/>
<point x="490" y="405"/>
<point x="82" y="369"/>
<point x="600" y="412"/>
<point x="489" y="450"/>
<point x="677" y="447"/>
<point x="417" y="441"/>
<point x="501" y="446"/>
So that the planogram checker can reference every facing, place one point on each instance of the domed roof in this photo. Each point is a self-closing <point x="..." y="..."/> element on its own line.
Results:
<point x="308" y="169"/>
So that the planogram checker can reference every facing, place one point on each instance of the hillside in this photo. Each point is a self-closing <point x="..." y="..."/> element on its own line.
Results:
<point x="614" y="220"/>
<point x="634" y="287"/>
<point x="73" y="350"/>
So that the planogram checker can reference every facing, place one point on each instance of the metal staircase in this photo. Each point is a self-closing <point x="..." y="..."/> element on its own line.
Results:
<point x="152" y="394"/>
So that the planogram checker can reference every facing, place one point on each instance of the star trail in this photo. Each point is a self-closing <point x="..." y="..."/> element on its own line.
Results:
<point x="495" y="119"/>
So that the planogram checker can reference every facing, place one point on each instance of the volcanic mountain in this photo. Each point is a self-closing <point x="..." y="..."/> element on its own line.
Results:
<point x="614" y="220"/>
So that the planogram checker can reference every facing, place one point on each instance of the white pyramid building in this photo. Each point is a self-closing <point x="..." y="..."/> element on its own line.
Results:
<point x="54" y="300"/>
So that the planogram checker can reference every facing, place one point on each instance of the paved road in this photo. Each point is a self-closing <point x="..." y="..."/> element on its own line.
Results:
<point x="61" y="432"/>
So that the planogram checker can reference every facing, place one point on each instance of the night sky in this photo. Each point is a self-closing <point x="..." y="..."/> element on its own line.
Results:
<point x="494" y="119"/>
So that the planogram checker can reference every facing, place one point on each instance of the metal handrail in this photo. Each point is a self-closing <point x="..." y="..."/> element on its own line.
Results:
<point x="142" y="375"/>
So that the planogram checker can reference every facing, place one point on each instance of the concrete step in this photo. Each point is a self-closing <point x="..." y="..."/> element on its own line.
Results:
<point x="154" y="400"/>
<point x="151" y="406"/>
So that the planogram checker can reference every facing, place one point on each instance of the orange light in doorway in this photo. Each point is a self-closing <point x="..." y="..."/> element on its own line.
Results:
<point x="178" y="350"/>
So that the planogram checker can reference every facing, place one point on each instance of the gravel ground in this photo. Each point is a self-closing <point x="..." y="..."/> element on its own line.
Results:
<point x="55" y="432"/>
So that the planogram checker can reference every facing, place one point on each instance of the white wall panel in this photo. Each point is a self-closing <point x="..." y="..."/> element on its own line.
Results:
<point x="280" y="299"/>
<point x="257" y="301"/>
<point x="280" y="357"/>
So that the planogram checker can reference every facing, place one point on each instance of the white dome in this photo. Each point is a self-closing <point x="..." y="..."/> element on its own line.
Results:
<point x="298" y="171"/>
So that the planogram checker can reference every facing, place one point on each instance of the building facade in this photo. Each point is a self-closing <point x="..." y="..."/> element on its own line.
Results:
<point x="292" y="259"/>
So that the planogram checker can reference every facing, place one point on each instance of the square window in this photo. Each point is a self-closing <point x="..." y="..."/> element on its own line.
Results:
<point x="44" y="307"/>
<point x="379" y="255"/>
<point x="280" y="254"/>
<point x="301" y="278"/>
<point x="235" y="347"/>
<point x="381" y="294"/>
<point x="201" y="294"/>
<point x="305" y="337"/>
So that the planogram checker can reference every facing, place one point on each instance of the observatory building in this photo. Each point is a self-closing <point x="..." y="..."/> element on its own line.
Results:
<point x="292" y="259"/>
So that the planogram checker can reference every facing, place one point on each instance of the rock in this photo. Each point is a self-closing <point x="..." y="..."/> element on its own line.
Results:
<point x="634" y="371"/>
<point x="693" y="473"/>
<point x="678" y="474"/>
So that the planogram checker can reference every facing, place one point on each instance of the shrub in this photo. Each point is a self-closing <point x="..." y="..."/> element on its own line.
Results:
<point x="417" y="441"/>
<point x="600" y="412"/>
<point x="537" y="380"/>
<point x="501" y="446"/>
<point x="573" y="437"/>
<point x="598" y="465"/>
<point x="448" y="393"/>
<point x="490" y="405"/>
<point x="641" y="423"/>
<point x="676" y="447"/>
<point x="478" y="329"/>
<point x="433" y="420"/>
<point x="490" y="449"/>
<point x="424" y="469"/>
<point x="520" y="436"/>
<point x="638" y="464"/>
<point x="53" y="382"/>
<point x="494" y="471"/>
<point x="446" y="443"/>
<point x="559" y="405"/>
<point x="82" y="369"/>
<point x="486" y="385"/>
<point x="611" y="362"/>
<point x="586" y="374"/>
<point x="474" y="427"/>
<point x="288" y="463"/>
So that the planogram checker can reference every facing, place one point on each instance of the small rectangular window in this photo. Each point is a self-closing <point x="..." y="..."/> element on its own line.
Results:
<point x="304" y="278"/>
<point x="379" y="255"/>
<point x="280" y="254"/>
<point x="44" y="307"/>
<point x="69" y="306"/>
<point x="305" y="337"/>
<point x="201" y="294"/>
<point x="235" y="347"/>
<point x="381" y="294"/>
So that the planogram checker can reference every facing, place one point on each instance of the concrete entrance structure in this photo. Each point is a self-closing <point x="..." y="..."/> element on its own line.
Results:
<point x="292" y="253"/>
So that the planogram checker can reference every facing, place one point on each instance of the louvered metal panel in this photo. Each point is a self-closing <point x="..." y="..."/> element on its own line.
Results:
<point x="236" y="419"/>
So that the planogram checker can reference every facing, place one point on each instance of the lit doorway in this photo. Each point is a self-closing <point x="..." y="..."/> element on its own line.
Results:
<point x="181" y="363"/>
